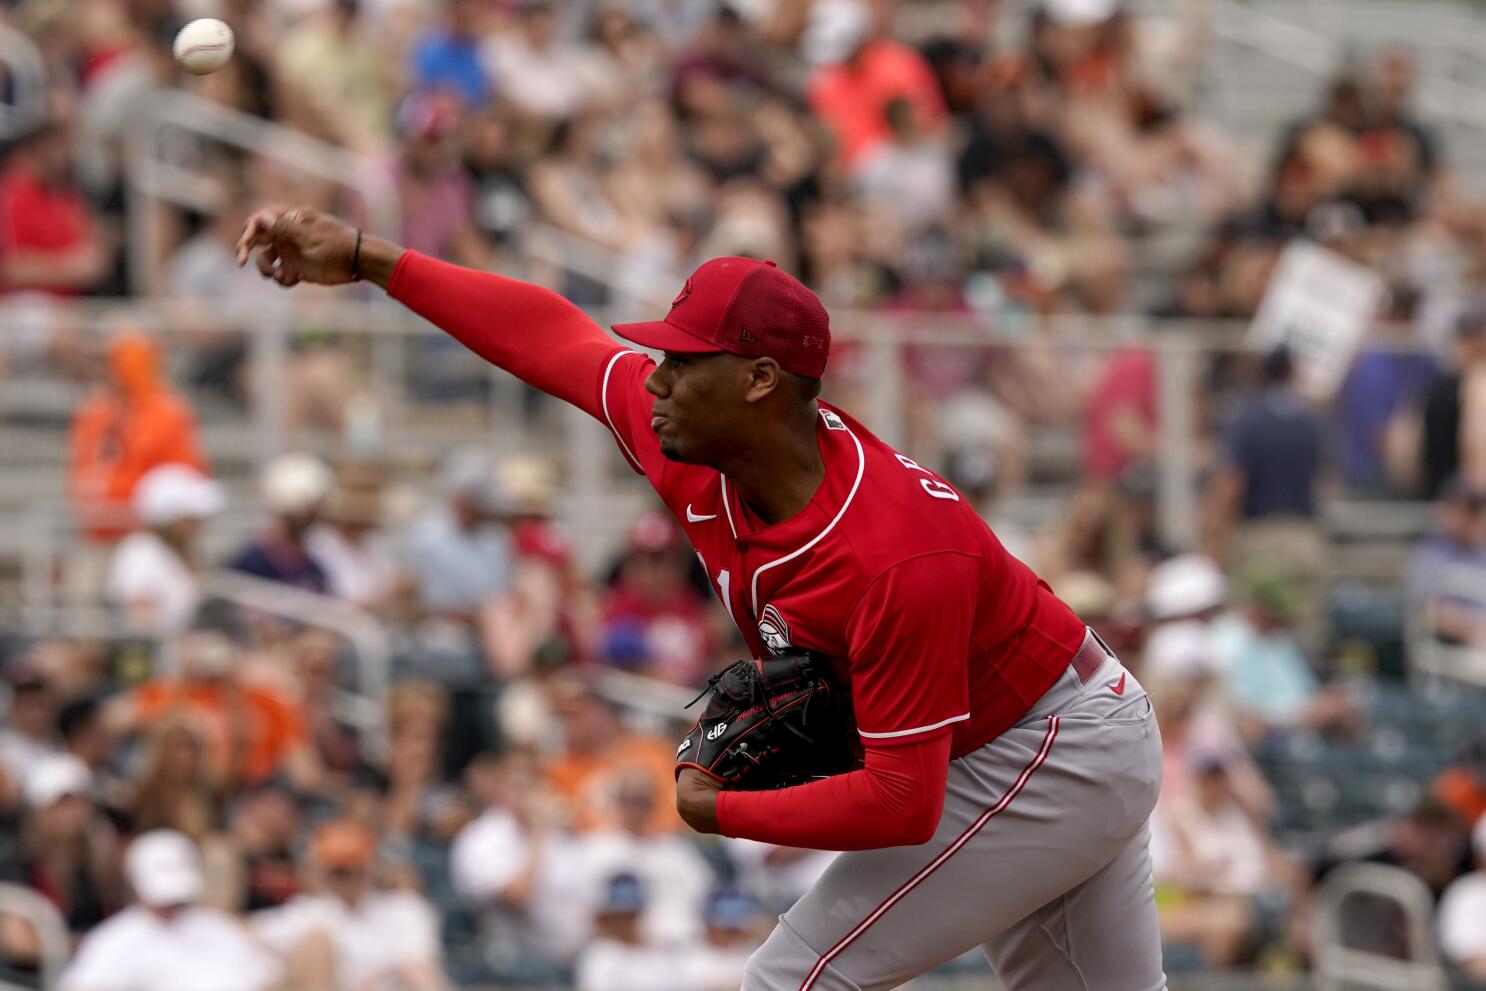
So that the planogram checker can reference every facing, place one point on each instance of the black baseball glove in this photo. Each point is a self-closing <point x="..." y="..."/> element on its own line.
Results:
<point x="773" y="723"/>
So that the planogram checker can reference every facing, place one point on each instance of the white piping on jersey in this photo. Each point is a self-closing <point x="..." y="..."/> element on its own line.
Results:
<point x="917" y="729"/>
<point x="725" y="507"/>
<point x="861" y="469"/>
<point x="723" y="591"/>
<point x="604" y="401"/>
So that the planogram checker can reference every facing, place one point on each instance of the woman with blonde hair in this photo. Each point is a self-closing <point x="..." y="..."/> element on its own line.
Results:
<point x="177" y="788"/>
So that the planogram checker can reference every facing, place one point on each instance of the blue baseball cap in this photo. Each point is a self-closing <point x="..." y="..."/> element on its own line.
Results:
<point x="623" y="894"/>
<point x="730" y="910"/>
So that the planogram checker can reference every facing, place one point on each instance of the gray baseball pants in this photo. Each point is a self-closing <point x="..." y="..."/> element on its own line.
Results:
<point x="1041" y="859"/>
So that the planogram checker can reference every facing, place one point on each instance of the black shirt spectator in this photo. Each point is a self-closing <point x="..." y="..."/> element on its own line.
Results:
<point x="1439" y="447"/>
<point x="1274" y="443"/>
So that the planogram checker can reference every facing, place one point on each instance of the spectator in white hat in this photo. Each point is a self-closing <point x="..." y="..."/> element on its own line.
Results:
<point x="359" y="560"/>
<point x="166" y="941"/>
<point x="1462" y="914"/>
<point x="1182" y="668"/>
<point x="1080" y="13"/>
<point x="154" y="580"/>
<point x="1185" y="587"/>
<point x="293" y="492"/>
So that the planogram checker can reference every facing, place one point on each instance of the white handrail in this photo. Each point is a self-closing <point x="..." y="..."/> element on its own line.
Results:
<point x="379" y="318"/>
<point x="659" y="699"/>
<point x="28" y="82"/>
<point x="1439" y="97"/>
<point x="1339" y="966"/>
<point x="51" y="930"/>
<point x="586" y="257"/>
<point x="152" y="178"/>
<point x="1285" y="40"/>
<point x="366" y="708"/>
<point x="1431" y="661"/>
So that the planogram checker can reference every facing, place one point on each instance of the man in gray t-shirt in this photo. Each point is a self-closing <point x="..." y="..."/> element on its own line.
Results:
<point x="458" y="553"/>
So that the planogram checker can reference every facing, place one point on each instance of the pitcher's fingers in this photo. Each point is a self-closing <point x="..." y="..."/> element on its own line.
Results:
<point x="288" y="274"/>
<point x="258" y="231"/>
<point x="284" y="222"/>
<point x="268" y="261"/>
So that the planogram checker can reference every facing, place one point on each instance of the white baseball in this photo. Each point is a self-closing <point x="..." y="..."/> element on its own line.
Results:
<point x="203" y="46"/>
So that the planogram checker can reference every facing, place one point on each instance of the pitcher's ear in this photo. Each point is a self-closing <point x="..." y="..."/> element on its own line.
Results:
<point x="764" y="379"/>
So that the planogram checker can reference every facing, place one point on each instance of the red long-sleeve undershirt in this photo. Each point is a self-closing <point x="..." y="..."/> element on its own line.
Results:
<point x="543" y="339"/>
<point x="895" y="800"/>
<point x="528" y="330"/>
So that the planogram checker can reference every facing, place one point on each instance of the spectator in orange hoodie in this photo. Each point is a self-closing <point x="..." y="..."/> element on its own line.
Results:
<point x="130" y="425"/>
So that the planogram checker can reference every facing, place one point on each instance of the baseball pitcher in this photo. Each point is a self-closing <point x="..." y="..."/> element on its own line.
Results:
<point x="1004" y="765"/>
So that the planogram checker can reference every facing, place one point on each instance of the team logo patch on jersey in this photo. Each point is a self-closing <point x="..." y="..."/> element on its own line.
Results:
<point x="774" y="631"/>
<point x="833" y="422"/>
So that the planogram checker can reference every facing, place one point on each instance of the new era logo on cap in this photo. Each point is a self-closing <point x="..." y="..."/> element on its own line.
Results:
<point x="745" y="307"/>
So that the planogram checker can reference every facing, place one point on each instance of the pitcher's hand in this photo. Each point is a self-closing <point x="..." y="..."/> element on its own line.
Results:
<point x="298" y="244"/>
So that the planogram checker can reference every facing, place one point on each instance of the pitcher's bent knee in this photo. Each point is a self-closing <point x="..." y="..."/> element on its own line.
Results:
<point x="786" y="961"/>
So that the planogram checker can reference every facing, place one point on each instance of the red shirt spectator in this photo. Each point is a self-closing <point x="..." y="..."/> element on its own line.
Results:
<point x="852" y="97"/>
<point x="1120" y="416"/>
<point x="653" y="621"/>
<point x="47" y="239"/>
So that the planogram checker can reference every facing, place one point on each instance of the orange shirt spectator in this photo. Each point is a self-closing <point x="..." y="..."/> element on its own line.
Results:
<point x="131" y="425"/>
<point x="249" y="730"/>
<point x="589" y="783"/>
<point x="852" y="97"/>
<point x="1463" y="789"/>
<point x="48" y="242"/>
<point x="597" y="753"/>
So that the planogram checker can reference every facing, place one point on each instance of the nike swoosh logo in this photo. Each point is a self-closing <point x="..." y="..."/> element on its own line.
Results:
<point x="1118" y="687"/>
<point x="694" y="518"/>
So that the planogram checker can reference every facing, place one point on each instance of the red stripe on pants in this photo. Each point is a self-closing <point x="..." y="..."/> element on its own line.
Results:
<point x="939" y="861"/>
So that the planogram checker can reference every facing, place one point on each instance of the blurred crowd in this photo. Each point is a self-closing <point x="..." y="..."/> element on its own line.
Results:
<point x="506" y="813"/>
<point x="223" y="796"/>
<point x="217" y="795"/>
<point x="999" y="165"/>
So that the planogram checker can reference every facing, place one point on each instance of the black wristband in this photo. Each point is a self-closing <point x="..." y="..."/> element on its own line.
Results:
<point x="356" y="258"/>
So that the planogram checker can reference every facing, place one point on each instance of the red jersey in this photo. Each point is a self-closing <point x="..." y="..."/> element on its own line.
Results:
<point x="887" y="571"/>
<point x="37" y="217"/>
<point x="944" y="639"/>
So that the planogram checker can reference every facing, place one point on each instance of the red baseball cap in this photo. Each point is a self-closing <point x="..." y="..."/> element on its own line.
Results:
<point x="745" y="307"/>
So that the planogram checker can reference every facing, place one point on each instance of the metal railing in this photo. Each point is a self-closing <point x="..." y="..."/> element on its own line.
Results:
<point x="51" y="932"/>
<point x="46" y="610"/>
<point x="385" y="331"/>
<point x="26" y="74"/>
<point x="1433" y="662"/>
<point x="366" y="707"/>
<point x="1440" y="97"/>
<point x="381" y="336"/>
<point x="1343" y="967"/>
<point x="153" y="177"/>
